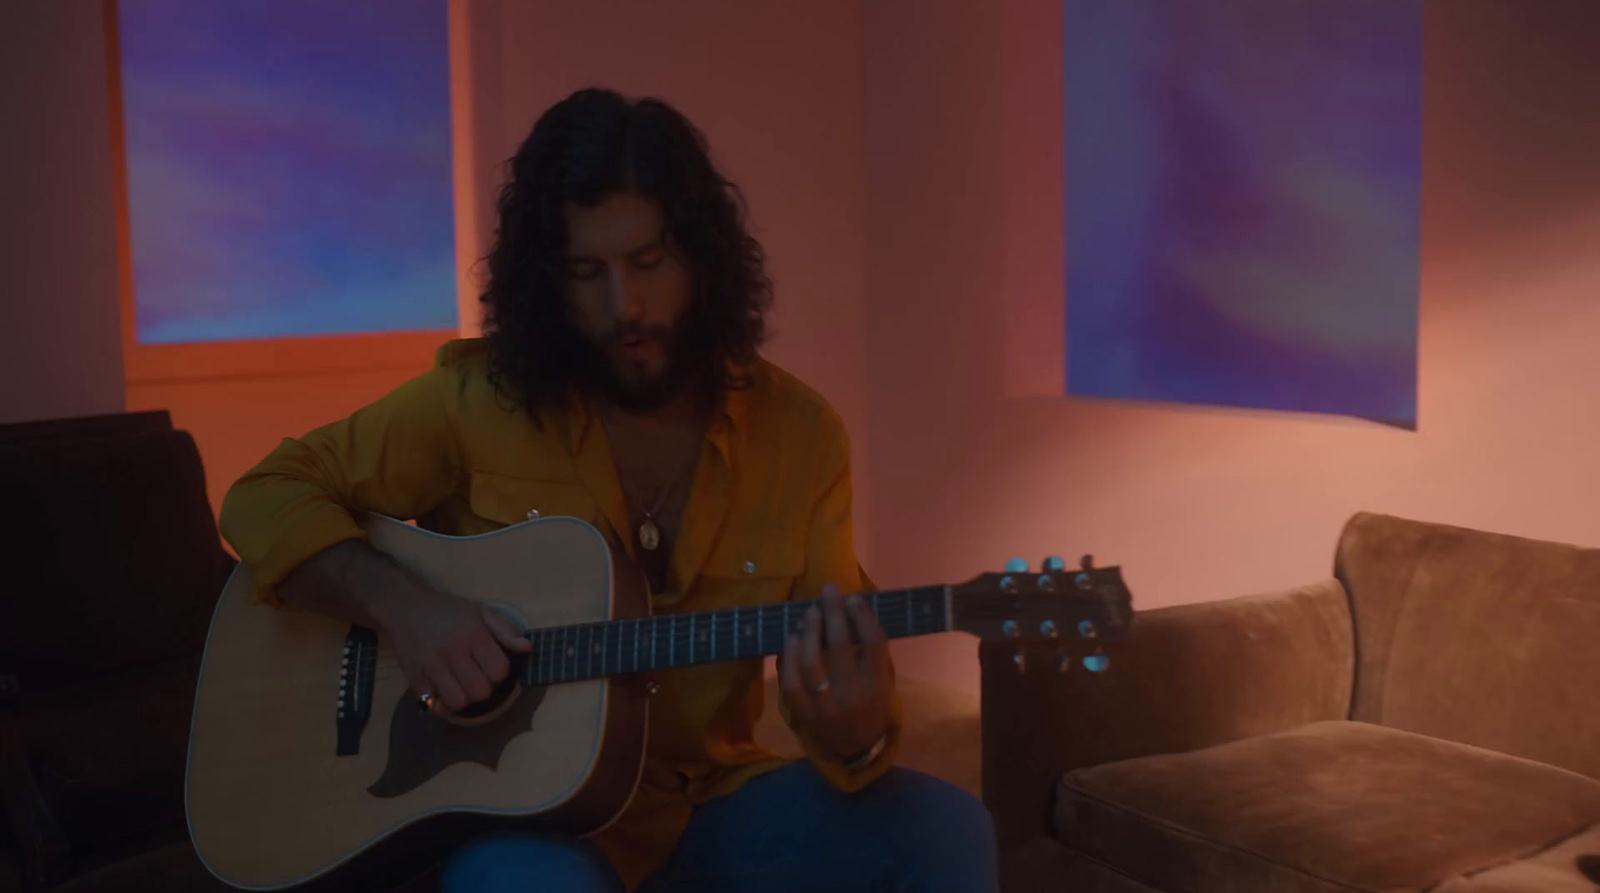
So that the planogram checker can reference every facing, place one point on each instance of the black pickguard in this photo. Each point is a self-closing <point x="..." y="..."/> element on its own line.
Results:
<point x="422" y="745"/>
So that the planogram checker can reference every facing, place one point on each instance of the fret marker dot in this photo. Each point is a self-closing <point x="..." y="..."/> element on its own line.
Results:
<point x="749" y="567"/>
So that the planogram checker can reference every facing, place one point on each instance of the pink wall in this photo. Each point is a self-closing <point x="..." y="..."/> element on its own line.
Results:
<point x="964" y="267"/>
<point x="61" y="353"/>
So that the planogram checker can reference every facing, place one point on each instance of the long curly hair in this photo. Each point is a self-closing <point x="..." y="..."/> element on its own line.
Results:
<point x="590" y="145"/>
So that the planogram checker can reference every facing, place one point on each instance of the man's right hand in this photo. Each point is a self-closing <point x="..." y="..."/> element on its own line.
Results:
<point x="450" y="647"/>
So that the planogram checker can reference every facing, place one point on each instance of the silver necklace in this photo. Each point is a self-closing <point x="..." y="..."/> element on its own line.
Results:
<point x="649" y="531"/>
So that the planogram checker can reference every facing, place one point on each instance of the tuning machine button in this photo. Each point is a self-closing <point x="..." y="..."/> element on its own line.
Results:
<point x="1054" y="565"/>
<point x="1017" y="566"/>
<point x="1048" y="629"/>
<point x="1096" y="663"/>
<point x="1086" y="629"/>
<point x="1010" y="629"/>
<point x="1008" y="584"/>
<point x="1046" y="583"/>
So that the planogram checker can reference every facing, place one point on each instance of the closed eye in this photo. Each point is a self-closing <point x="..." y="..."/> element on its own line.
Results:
<point x="584" y="271"/>
<point x="650" y="259"/>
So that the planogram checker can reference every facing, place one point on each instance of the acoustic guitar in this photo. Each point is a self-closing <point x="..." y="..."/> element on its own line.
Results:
<point x="312" y="767"/>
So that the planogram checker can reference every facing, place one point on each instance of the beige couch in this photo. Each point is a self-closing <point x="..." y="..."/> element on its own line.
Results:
<point x="1427" y="719"/>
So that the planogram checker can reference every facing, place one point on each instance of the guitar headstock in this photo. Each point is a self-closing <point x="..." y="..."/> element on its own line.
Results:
<point x="1083" y="608"/>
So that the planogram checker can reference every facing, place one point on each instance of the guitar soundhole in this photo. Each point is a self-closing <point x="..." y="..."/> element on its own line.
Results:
<point x="496" y="699"/>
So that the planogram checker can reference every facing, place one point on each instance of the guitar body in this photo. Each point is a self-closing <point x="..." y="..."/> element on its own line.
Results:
<point x="288" y="788"/>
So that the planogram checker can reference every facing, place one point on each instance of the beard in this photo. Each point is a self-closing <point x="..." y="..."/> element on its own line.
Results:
<point x="628" y="384"/>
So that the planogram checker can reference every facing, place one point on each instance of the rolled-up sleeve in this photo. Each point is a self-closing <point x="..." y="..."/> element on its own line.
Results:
<point x="398" y="456"/>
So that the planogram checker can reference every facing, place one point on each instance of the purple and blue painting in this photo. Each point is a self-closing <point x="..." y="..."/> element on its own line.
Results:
<point x="289" y="167"/>
<point x="1243" y="186"/>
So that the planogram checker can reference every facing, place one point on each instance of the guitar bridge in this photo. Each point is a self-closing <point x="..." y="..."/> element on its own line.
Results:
<point x="357" y="667"/>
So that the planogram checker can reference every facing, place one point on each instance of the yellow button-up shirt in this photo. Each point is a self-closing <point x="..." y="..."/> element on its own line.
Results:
<point x="768" y="519"/>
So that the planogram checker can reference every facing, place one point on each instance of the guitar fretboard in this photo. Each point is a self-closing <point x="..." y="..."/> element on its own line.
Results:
<point x="620" y="647"/>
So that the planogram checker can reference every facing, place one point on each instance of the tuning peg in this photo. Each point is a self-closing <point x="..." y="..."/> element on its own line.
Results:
<point x="1054" y="564"/>
<point x="1018" y="660"/>
<point x="1087" y="563"/>
<point x="1096" y="663"/>
<point x="1017" y="566"/>
<point x="1063" y="663"/>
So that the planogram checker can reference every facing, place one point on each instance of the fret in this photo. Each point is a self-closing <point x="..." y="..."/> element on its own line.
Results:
<point x="636" y="622"/>
<point x="672" y="640"/>
<point x="714" y="634"/>
<point x="761" y="636"/>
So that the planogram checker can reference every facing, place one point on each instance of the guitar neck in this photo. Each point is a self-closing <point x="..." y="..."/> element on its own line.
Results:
<point x="642" y="644"/>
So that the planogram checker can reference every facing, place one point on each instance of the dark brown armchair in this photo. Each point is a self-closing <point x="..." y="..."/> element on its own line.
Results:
<point x="112" y="567"/>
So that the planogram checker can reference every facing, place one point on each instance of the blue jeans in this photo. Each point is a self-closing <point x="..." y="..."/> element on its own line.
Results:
<point x="787" y="830"/>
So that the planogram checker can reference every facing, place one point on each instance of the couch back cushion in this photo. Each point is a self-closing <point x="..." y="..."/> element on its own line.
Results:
<point x="1481" y="638"/>
<point x="113" y="556"/>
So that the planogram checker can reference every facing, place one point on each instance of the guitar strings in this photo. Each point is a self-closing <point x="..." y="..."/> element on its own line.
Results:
<point x="709" y="636"/>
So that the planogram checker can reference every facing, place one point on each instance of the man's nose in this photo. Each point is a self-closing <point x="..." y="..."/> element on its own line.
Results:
<point x="625" y="304"/>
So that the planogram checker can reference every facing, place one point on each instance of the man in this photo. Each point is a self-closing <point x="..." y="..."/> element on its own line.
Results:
<point x="619" y="381"/>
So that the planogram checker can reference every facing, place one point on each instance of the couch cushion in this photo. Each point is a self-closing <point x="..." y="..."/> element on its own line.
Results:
<point x="1327" y="806"/>
<point x="1476" y="637"/>
<point x="109" y="756"/>
<point x="1555" y="870"/>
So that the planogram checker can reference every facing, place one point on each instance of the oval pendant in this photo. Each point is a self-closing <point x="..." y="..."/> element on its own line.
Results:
<point x="649" y="535"/>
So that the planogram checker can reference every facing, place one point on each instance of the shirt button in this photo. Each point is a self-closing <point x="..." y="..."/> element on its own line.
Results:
<point x="749" y="567"/>
<point x="533" y="514"/>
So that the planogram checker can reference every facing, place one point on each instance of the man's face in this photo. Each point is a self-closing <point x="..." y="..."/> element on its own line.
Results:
<point x="627" y="288"/>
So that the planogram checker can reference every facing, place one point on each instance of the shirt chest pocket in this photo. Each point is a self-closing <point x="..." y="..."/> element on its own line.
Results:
<point x="505" y="499"/>
<point x="754" y="566"/>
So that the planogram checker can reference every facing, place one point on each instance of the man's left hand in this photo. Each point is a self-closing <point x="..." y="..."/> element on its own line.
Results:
<point x="840" y="695"/>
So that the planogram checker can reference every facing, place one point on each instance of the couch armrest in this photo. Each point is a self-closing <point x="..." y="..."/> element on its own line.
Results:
<point x="1190" y="676"/>
<point x="42" y="853"/>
